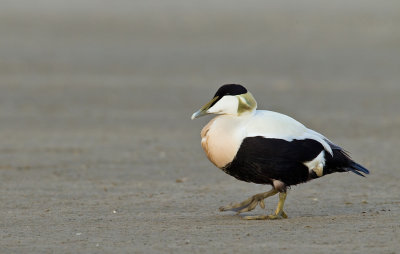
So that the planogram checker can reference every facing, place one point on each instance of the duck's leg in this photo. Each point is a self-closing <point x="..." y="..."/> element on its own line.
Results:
<point x="279" y="213"/>
<point x="250" y="203"/>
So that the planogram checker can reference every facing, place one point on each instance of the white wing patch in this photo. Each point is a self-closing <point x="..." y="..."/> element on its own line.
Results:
<point x="317" y="164"/>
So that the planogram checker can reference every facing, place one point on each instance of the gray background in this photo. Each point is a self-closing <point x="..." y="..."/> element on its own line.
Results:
<point x="98" y="153"/>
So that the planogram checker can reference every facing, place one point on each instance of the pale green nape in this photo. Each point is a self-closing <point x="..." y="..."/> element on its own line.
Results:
<point x="246" y="103"/>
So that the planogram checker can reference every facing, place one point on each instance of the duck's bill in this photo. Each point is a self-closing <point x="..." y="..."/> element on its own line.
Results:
<point x="204" y="110"/>
<point x="199" y="113"/>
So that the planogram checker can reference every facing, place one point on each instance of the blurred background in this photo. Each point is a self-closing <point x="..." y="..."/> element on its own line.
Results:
<point x="96" y="98"/>
<point x="74" y="63"/>
<point x="61" y="58"/>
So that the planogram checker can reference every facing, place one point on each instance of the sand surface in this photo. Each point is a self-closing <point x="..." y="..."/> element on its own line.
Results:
<point x="98" y="153"/>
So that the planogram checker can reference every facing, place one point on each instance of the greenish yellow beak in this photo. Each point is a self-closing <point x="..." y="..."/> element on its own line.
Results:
<point x="203" y="110"/>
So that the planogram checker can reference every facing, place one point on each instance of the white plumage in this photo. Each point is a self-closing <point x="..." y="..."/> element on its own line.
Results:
<point x="266" y="147"/>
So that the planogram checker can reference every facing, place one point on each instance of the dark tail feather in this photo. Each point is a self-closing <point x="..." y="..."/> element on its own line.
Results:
<point x="357" y="168"/>
<point x="341" y="162"/>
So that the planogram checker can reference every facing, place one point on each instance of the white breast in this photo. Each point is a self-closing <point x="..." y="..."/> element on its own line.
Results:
<point x="221" y="139"/>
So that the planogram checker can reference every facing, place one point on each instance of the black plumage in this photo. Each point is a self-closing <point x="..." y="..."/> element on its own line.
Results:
<point x="228" y="89"/>
<point x="262" y="160"/>
<point x="266" y="147"/>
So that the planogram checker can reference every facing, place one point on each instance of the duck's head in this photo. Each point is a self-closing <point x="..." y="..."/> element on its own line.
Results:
<point x="230" y="99"/>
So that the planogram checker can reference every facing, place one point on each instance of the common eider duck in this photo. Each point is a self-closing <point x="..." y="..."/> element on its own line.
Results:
<point x="266" y="147"/>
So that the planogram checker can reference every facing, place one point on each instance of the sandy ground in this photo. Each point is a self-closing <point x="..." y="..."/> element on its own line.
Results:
<point x="98" y="153"/>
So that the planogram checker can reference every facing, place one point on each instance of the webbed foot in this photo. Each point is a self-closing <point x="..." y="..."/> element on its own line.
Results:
<point x="282" y="215"/>
<point x="279" y="213"/>
<point x="250" y="203"/>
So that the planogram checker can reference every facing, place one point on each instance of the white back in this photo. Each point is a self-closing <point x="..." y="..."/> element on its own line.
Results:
<point x="271" y="124"/>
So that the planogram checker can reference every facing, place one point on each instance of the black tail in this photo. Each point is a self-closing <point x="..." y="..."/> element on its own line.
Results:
<point x="342" y="162"/>
<point x="357" y="168"/>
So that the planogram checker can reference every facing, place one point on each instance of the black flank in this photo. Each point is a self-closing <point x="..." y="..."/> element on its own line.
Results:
<point x="260" y="160"/>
